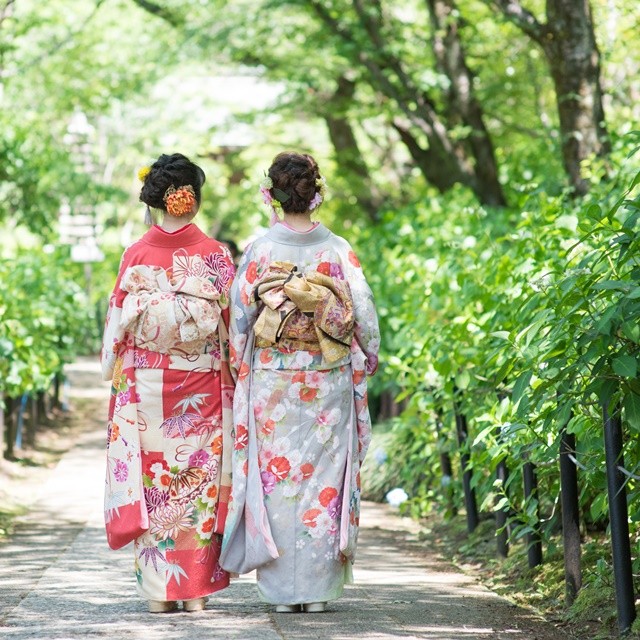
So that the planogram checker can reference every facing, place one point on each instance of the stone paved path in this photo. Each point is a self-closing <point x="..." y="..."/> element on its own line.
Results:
<point x="58" y="579"/>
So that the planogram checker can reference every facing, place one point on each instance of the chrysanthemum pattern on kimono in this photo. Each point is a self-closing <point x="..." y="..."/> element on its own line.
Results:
<point x="165" y="349"/>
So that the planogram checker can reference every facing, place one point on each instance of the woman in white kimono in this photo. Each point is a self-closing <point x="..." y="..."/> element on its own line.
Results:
<point x="303" y="334"/>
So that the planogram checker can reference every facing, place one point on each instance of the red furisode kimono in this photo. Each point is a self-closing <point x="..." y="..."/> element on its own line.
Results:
<point x="169" y="431"/>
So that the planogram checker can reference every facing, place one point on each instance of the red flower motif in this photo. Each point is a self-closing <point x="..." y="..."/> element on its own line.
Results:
<point x="268" y="427"/>
<point x="324" y="268"/>
<point x="309" y="517"/>
<point x="207" y="526"/>
<point x="244" y="370"/>
<point x="216" y="445"/>
<point x="353" y="259"/>
<point x="279" y="467"/>
<point x="242" y="438"/>
<point x="180" y="202"/>
<point x="265" y="356"/>
<point x="151" y="459"/>
<point x="298" y="377"/>
<point x="307" y="394"/>
<point x="252" y="272"/>
<point x="307" y="470"/>
<point x="327" y="495"/>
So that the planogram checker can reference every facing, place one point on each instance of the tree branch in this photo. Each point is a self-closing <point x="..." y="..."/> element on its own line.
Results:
<point x="68" y="37"/>
<point x="173" y="18"/>
<point x="522" y="18"/>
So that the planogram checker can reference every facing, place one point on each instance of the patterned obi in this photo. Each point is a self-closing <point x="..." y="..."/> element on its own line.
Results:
<point x="310" y="312"/>
<point x="170" y="316"/>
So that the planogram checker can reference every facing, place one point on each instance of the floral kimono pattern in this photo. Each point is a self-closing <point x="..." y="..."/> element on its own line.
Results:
<point x="169" y="432"/>
<point x="301" y="419"/>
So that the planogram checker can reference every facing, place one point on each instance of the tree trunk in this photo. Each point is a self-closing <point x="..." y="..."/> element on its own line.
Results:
<point x="10" y="427"/>
<point x="348" y="156"/>
<point x="443" y="162"/>
<point x="569" y="44"/>
<point x="574" y="60"/>
<point x="462" y="104"/>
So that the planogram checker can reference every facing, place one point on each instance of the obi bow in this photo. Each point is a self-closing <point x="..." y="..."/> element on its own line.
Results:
<point x="177" y="315"/>
<point x="326" y="301"/>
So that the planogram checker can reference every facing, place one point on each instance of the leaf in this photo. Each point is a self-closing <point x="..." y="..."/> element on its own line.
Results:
<point x="625" y="366"/>
<point x="631" y="404"/>
<point x="612" y="284"/>
<point x="503" y="335"/>
<point x="634" y="293"/>
<point x="463" y="379"/>
<point x="521" y="383"/>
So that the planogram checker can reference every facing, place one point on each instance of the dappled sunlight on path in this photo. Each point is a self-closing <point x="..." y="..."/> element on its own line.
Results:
<point x="60" y="581"/>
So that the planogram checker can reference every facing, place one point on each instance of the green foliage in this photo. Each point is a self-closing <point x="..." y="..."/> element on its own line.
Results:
<point x="45" y="319"/>
<point x="533" y="317"/>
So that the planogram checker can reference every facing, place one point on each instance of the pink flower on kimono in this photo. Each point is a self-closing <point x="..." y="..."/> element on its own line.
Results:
<point x="155" y="497"/>
<point x="333" y="508"/>
<point x="279" y="467"/>
<point x="314" y="379"/>
<point x="336" y="271"/>
<point x="140" y="360"/>
<point x="266" y="455"/>
<point x="324" y="524"/>
<point x="268" y="481"/>
<point x="121" y="472"/>
<point x="220" y="269"/>
<point x="218" y="573"/>
<point x="123" y="398"/>
<point x="329" y="418"/>
<point x="198" y="458"/>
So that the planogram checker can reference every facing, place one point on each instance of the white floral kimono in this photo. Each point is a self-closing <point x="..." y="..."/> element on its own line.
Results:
<point x="301" y="419"/>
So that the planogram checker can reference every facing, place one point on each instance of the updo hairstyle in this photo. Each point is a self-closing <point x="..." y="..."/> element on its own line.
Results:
<point x="168" y="170"/>
<point x="295" y="174"/>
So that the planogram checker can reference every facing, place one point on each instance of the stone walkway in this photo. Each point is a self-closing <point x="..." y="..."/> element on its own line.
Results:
<point x="59" y="580"/>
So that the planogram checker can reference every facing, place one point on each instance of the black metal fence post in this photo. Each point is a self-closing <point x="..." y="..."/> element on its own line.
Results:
<point x="618" y="516"/>
<point x="502" y="529"/>
<point x="469" y="493"/>
<point x="570" y="517"/>
<point x="533" y="539"/>
<point x="445" y="464"/>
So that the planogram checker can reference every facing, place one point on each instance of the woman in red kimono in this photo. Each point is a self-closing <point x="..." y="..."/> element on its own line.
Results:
<point x="165" y="351"/>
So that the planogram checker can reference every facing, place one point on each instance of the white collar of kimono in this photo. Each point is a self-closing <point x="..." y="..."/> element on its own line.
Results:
<point x="284" y="235"/>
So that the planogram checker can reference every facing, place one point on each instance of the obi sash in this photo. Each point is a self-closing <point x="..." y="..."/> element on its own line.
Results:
<point x="177" y="315"/>
<point x="310" y="307"/>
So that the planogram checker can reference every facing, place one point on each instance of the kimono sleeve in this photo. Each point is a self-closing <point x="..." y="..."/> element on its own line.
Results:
<point x="244" y="309"/>
<point x="113" y="337"/>
<point x="367" y="332"/>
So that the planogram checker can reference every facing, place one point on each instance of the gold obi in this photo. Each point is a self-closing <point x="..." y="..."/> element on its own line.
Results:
<point x="310" y="311"/>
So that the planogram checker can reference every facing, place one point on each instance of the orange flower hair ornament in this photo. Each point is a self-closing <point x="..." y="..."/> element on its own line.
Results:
<point x="180" y="201"/>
